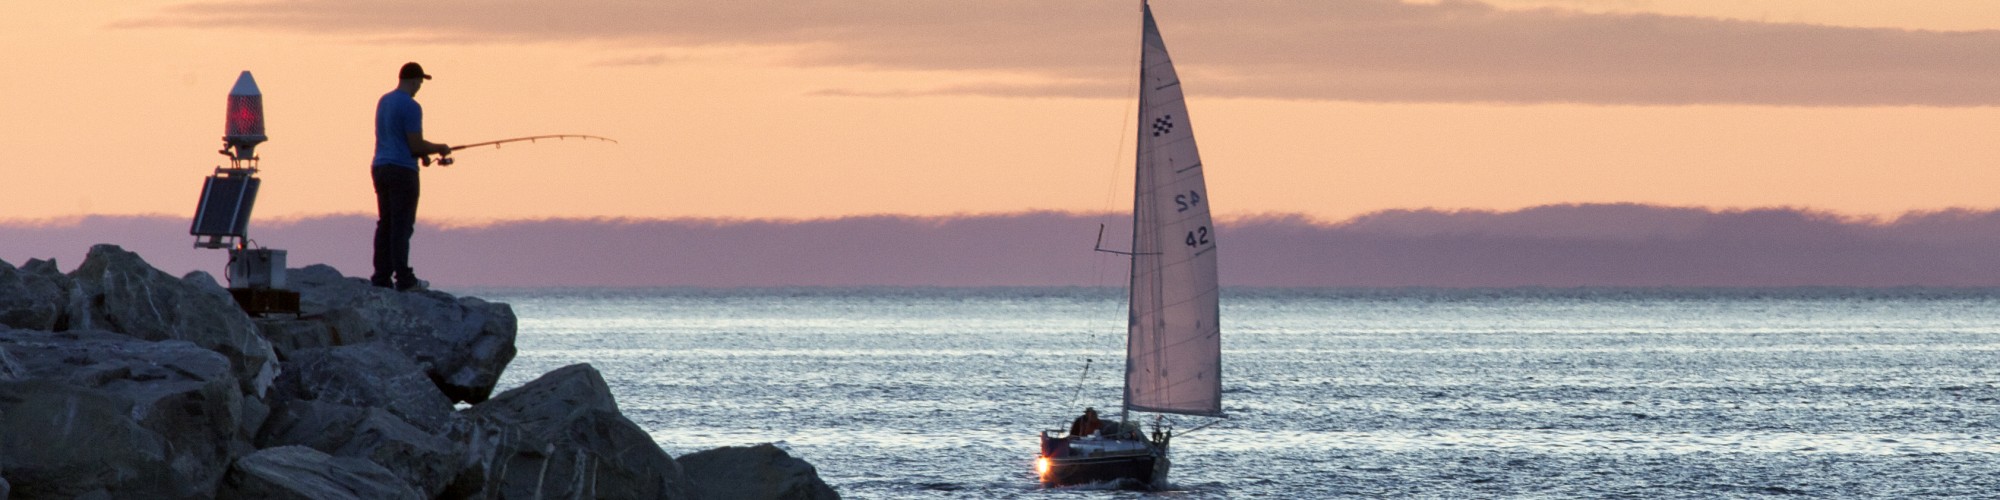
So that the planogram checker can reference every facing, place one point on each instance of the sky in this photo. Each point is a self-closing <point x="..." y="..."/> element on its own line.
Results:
<point x="815" y="109"/>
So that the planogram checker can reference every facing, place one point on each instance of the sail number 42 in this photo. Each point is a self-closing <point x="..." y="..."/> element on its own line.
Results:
<point x="1198" y="237"/>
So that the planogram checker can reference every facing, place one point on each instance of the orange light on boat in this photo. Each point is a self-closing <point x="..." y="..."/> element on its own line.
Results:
<point x="1042" y="467"/>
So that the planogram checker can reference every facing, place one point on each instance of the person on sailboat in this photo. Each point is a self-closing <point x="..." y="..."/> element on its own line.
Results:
<point x="399" y="142"/>
<point x="1085" y="425"/>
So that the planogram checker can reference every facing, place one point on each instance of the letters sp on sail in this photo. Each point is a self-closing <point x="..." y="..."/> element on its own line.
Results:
<point x="1173" y="343"/>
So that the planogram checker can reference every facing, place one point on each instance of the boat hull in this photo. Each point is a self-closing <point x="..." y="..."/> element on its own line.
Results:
<point x="1139" y="469"/>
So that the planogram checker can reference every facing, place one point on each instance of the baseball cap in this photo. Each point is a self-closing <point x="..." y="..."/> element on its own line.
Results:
<point x="412" y="70"/>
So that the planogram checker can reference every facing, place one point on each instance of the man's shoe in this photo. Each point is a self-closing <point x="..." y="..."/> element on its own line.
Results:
<point x="381" y="282"/>
<point x="412" y="285"/>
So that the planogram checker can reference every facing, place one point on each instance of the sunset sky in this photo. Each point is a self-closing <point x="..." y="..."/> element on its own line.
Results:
<point x="813" y="109"/>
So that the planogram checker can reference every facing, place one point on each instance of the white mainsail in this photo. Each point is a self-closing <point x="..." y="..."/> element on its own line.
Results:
<point x="1173" y="346"/>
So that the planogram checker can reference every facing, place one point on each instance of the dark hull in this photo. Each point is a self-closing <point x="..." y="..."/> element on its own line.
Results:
<point x="1135" y="463"/>
<point x="1131" y="471"/>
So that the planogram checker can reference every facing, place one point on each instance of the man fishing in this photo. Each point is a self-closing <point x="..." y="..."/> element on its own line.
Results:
<point x="399" y="142"/>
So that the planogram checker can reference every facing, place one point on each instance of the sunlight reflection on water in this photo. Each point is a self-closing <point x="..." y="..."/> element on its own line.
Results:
<point x="922" y="393"/>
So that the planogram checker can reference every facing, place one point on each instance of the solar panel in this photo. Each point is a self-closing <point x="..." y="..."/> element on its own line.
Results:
<point x="225" y="206"/>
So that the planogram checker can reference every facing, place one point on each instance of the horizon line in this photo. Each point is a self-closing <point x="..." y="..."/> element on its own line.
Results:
<point x="1294" y="216"/>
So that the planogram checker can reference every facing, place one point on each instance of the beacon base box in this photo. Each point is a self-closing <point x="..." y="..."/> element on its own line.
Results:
<point x="256" y="268"/>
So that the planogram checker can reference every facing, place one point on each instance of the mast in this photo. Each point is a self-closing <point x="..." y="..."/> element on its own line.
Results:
<point x="1138" y="177"/>
<point x="1173" y="342"/>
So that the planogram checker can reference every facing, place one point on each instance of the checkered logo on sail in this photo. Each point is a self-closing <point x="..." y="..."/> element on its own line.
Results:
<point x="1164" y="124"/>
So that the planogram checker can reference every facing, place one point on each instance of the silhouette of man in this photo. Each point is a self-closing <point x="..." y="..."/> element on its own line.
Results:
<point x="399" y="142"/>
<point x="1085" y="425"/>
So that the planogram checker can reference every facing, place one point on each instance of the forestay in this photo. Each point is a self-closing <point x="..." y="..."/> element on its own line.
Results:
<point x="1173" y="344"/>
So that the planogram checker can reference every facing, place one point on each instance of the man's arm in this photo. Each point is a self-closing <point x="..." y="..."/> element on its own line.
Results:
<point x="420" y="147"/>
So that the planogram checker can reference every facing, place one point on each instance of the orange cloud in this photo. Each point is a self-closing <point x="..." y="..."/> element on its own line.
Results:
<point x="1359" y="50"/>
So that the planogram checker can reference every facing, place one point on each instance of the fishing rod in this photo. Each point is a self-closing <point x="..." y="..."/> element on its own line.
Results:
<point x="444" y="159"/>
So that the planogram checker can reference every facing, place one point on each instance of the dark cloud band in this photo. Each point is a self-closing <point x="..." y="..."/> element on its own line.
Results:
<point x="1562" y="245"/>
<point x="1355" y="50"/>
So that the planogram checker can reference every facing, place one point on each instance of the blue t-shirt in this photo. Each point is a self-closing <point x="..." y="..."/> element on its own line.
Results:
<point x="396" y="116"/>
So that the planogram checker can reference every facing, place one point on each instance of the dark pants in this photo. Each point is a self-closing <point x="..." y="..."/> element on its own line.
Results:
<point x="396" y="207"/>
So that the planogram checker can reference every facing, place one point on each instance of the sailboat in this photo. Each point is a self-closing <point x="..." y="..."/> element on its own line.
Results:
<point x="1173" y="346"/>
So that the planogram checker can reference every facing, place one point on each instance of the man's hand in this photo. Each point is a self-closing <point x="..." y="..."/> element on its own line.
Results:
<point x="420" y="147"/>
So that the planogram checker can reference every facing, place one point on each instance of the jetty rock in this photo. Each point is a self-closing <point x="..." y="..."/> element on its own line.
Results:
<point x="93" y="411"/>
<point x="32" y="297"/>
<point x="367" y="401"/>
<point x="462" y="343"/>
<point x="562" y="436"/>
<point x="118" y="380"/>
<point x="298" y="472"/>
<point x="115" y="290"/>
<point x="762" y="471"/>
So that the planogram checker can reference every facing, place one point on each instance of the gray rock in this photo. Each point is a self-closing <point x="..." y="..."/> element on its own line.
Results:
<point x="29" y="299"/>
<point x="366" y="401"/>
<point x="316" y="424"/>
<point x="206" y="283"/>
<point x="102" y="410"/>
<point x="291" y="335"/>
<point x="425" y="461"/>
<point x="255" y="412"/>
<point x="298" y="472"/>
<point x="372" y="375"/>
<point x="334" y="328"/>
<point x="761" y="472"/>
<point x="115" y="290"/>
<point x="561" y="436"/>
<point x="43" y="275"/>
<point x="463" y="344"/>
<point x="10" y="368"/>
<point x="319" y="275"/>
<point x="47" y="270"/>
<point x="64" y="441"/>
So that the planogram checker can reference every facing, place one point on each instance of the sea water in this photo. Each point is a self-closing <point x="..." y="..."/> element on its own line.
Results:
<point x="1594" y="393"/>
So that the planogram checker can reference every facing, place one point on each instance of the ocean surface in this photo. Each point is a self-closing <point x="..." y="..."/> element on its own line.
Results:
<point x="1594" y="393"/>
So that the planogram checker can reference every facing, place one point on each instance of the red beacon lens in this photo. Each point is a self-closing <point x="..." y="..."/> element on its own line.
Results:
<point x="243" y="122"/>
<point x="246" y="117"/>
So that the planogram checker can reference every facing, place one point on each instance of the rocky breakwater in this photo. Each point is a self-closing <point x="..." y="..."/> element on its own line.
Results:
<point x="120" y="381"/>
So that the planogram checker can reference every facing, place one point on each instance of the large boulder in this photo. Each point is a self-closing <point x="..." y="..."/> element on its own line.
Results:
<point x="316" y="424"/>
<point x="372" y="375"/>
<point x="333" y="328"/>
<point x="10" y="368"/>
<point x="64" y="441"/>
<point x="561" y="436"/>
<point x="117" y="291"/>
<point x="32" y="297"/>
<point x="463" y="344"/>
<point x="425" y="461"/>
<point x="761" y="472"/>
<point x="367" y="401"/>
<point x="89" y="410"/>
<point x="298" y="472"/>
<point x="205" y="283"/>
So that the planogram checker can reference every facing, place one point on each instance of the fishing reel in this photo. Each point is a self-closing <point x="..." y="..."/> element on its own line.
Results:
<point x="442" y="160"/>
